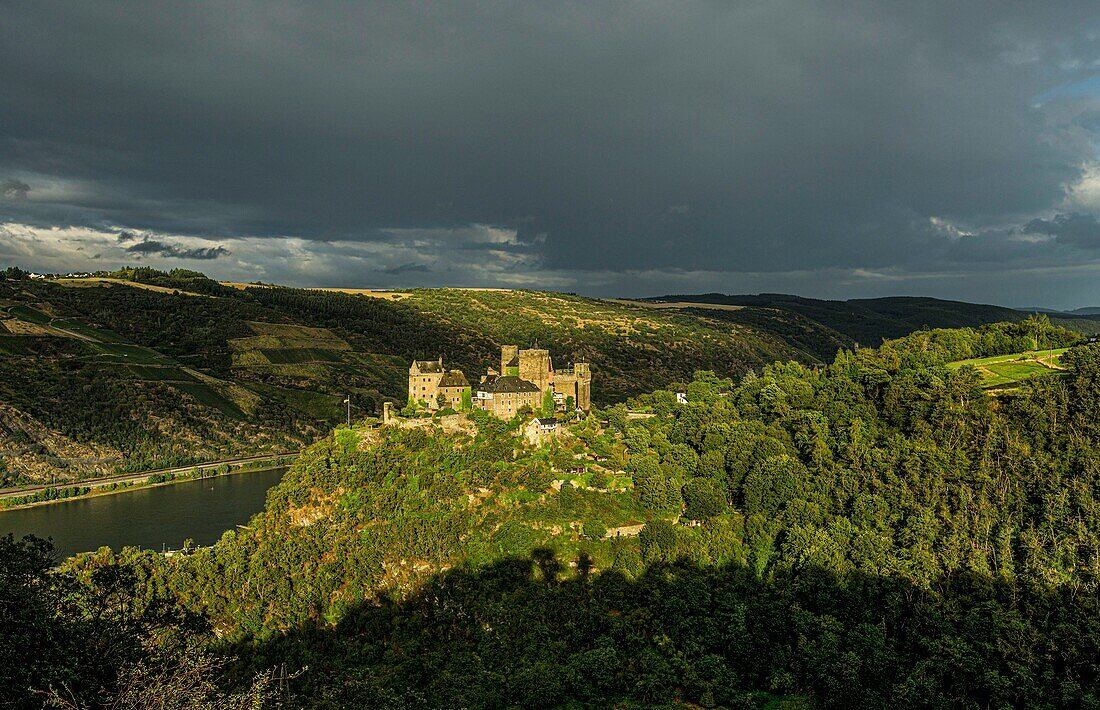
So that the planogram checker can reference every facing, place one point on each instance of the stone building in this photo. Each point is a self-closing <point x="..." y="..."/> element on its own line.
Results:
<point x="540" y="430"/>
<point x="451" y="386"/>
<point x="424" y="377"/>
<point x="429" y="380"/>
<point x="522" y="380"/>
<point x="534" y="365"/>
<point x="575" y="383"/>
<point x="504" y="395"/>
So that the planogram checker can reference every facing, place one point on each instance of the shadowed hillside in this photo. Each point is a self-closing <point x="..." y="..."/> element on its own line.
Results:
<point x="869" y="321"/>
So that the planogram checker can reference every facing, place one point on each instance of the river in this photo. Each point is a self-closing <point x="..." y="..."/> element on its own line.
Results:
<point x="153" y="518"/>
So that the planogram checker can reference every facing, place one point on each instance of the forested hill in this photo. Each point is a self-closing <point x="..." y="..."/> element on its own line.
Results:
<point x="136" y="369"/>
<point x="869" y="321"/>
<point x="877" y="533"/>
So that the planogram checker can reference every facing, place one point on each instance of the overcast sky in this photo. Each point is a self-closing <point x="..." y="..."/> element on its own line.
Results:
<point x="831" y="149"/>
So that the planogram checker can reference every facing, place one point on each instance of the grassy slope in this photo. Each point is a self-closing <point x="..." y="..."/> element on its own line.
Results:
<point x="1004" y="372"/>
<point x="180" y="369"/>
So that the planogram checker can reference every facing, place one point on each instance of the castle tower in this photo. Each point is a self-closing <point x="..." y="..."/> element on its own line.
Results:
<point x="535" y="366"/>
<point x="584" y="385"/>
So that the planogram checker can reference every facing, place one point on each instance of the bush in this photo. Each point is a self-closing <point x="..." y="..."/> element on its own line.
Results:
<point x="594" y="530"/>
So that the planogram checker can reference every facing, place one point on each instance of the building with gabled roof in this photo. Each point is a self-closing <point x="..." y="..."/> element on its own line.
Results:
<point x="451" y="387"/>
<point x="541" y="429"/>
<point x="524" y="378"/>
<point x="434" y="387"/>
<point x="505" y="395"/>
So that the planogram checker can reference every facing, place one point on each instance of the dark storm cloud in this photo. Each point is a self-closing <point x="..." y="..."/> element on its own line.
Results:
<point x="14" y="189"/>
<point x="152" y="246"/>
<point x="645" y="140"/>
<point x="407" y="269"/>
<point x="1082" y="230"/>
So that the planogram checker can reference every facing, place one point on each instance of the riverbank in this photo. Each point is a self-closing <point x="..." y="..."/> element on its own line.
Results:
<point x="194" y="513"/>
<point x="124" y="483"/>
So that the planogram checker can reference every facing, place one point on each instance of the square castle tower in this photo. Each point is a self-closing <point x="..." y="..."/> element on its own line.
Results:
<point x="535" y="366"/>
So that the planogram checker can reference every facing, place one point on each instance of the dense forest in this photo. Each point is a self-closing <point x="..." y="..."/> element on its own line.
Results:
<point x="880" y="532"/>
<point x="871" y="320"/>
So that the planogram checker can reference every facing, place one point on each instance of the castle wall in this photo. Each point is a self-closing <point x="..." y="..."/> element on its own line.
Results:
<point x="575" y="383"/>
<point x="584" y="385"/>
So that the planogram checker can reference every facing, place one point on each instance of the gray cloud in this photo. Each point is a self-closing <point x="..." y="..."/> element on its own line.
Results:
<point x="406" y="269"/>
<point x="1081" y="230"/>
<point x="152" y="246"/>
<point x="14" y="189"/>
<point x="785" y="138"/>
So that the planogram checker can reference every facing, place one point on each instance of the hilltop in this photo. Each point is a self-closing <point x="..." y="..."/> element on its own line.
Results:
<point x="869" y="321"/>
<point x="879" y="532"/>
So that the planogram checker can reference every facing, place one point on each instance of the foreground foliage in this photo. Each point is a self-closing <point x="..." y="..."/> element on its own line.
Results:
<point x="878" y="533"/>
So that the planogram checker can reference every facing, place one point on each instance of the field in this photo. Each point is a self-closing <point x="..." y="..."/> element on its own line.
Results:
<point x="1005" y="372"/>
<point x="94" y="281"/>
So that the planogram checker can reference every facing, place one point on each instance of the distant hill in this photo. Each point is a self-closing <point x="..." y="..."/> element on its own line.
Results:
<point x="869" y="321"/>
<point x="1089" y="311"/>
<point x="139" y="368"/>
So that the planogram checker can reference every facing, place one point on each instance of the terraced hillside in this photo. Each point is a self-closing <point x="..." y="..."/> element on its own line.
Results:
<point x="139" y="369"/>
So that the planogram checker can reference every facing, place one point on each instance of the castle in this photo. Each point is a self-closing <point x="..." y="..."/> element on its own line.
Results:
<point x="523" y="379"/>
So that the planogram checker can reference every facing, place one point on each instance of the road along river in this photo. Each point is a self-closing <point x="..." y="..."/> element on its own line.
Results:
<point x="158" y="517"/>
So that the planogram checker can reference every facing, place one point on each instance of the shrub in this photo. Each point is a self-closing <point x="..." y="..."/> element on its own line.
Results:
<point x="594" y="529"/>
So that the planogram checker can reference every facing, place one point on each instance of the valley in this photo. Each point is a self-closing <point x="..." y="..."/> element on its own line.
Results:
<point x="136" y="370"/>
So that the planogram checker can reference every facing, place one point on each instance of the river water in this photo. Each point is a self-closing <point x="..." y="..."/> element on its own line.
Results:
<point x="153" y="518"/>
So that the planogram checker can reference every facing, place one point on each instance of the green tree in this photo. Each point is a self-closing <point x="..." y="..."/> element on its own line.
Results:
<point x="548" y="406"/>
<point x="658" y="541"/>
<point x="637" y="440"/>
<point x="703" y="498"/>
